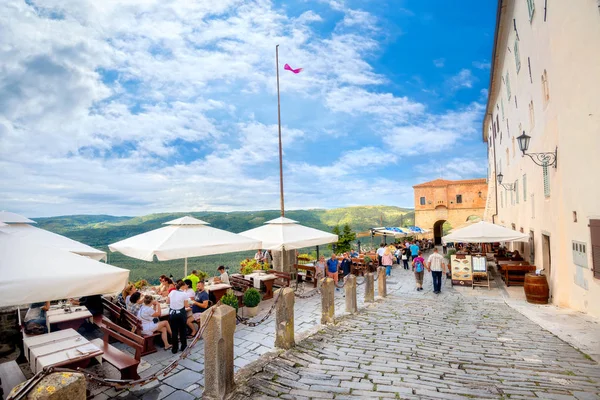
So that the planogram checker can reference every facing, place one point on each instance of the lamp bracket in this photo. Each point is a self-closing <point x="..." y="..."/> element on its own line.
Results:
<point x="550" y="159"/>
<point x="508" y="186"/>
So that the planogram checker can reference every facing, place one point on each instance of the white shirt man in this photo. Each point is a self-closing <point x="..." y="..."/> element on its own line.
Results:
<point x="436" y="263"/>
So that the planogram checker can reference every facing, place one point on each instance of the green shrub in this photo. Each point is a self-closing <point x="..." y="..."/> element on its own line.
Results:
<point x="202" y="275"/>
<point x="450" y="252"/>
<point x="367" y="260"/>
<point x="230" y="299"/>
<point x="251" y="297"/>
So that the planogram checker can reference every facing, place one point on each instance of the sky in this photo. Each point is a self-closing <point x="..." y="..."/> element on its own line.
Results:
<point x="130" y="107"/>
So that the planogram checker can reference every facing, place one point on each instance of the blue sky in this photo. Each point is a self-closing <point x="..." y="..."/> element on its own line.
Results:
<point x="134" y="107"/>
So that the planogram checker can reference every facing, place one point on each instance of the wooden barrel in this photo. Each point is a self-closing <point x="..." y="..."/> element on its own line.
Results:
<point x="536" y="289"/>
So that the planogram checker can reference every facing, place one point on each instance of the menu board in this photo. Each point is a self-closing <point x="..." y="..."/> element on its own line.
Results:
<point x="462" y="269"/>
<point x="479" y="264"/>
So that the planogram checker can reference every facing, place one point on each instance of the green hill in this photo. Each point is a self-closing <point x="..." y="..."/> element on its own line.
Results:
<point x="100" y="230"/>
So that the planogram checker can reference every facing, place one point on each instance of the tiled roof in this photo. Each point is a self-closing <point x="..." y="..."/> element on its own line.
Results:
<point x="444" y="182"/>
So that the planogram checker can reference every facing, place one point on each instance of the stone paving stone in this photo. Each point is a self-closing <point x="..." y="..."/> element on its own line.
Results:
<point x="180" y="395"/>
<point x="183" y="379"/>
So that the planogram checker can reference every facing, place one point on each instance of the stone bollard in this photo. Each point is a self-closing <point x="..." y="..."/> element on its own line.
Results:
<point x="381" y="284"/>
<point x="327" y="301"/>
<point x="58" y="386"/>
<point x="369" y="288"/>
<point x="350" y="288"/>
<point x="218" y="352"/>
<point x="284" y="319"/>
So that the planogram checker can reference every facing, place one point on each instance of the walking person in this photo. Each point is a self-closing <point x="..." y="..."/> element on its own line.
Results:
<point x="436" y="263"/>
<point x="405" y="254"/>
<point x="332" y="270"/>
<point x="419" y="268"/>
<point x="178" y="302"/>
<point x="380" y="252"/>
<point x="387" y="261"/>
<point x="414" y="250"/>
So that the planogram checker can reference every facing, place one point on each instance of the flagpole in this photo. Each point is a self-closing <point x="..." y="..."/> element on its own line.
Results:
<point x="279" y="124"/>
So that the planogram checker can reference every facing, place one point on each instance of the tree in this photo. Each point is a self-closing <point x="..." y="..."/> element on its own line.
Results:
<point x="345" y="238"/>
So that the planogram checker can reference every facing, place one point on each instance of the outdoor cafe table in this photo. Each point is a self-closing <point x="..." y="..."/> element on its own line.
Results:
<point x="60" y="348"/>
<point x="217" y="289"/>
<point x="64" y="319"/>
<point x="266" y="280"/>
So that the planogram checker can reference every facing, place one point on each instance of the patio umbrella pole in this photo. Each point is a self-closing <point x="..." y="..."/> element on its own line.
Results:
<point x="279" y="125"/>
<point x="185" y="268"/>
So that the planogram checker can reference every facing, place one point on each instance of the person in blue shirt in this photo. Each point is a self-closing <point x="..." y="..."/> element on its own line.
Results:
<point x="199" y="305"/>
<point x="332" y="269"/>
<point x="353" y="253"/>
<point x="346" y="265"/>
<point x="414" y="250"/>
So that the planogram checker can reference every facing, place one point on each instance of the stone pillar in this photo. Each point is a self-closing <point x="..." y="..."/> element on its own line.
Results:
<point x="218" y="352"/>
<point x="350" y="288"/>
<point x="283" y="261"/>
<point x="58" y="386"/>
<point x="327" y="301"/>
<point x="381" y="284"/>
<point x="369" y="288"/>
<point x="284" y="319"/>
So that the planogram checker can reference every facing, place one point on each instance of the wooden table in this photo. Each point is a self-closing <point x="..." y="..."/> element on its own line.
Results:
<point x="61" y="348"/>
<point x="65" y="320"/>
<point x="218" y="290"/>
<point x="513" y="272"/>
<point x="309" y="269"/>
<point x="265" y="280"/>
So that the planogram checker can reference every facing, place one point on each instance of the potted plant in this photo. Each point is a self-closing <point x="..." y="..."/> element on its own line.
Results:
<point x="230" y="299"/>
<point x="246" y="270"/>
<point x="251" y="301"/>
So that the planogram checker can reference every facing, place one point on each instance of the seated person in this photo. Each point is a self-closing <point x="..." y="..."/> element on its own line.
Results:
<point x="150" y="312"/>
<point x="188" y="288"/>
<point x="199" y="305"/>
<point x="353" y="253"/>
<point x="516" y="256"/>
<point x="127" y="291"/>
<point x="162" y="289"/>
<point x="92" y="303"/>
<point x="223" y="277"/>
<point x="35" y="319"/>
<point x="135" y="303"/>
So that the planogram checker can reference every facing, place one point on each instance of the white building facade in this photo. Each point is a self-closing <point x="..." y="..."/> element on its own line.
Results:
<point x="545" y="82"/>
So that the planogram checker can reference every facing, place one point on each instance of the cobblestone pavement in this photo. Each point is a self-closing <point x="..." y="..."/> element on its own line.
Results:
<point x="426" y="346"/>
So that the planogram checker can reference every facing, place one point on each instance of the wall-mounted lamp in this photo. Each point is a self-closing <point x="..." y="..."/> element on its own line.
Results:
<point x="479" y="194"/>
<point x="541" y="159"/>
<point x="509" y="186"/>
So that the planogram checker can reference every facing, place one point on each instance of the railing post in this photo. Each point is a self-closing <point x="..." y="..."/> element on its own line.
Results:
<point x="327" y="301"/>
<point x="218" y="352"/>
<point x="284" y="319"/>
<point x="350" y="289"/>
<point x="381" y="284"/>
<point x="369" y="288"/>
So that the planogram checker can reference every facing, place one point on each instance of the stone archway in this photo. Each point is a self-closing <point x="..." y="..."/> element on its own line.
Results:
<point x="438" y="231"/>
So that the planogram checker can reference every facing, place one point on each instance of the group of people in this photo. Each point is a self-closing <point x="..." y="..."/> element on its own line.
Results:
<point x="263" y="256"/>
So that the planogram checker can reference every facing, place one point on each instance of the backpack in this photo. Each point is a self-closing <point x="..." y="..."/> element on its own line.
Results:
<point x="418" y="266"/>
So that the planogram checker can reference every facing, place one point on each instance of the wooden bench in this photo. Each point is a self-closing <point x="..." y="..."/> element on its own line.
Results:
<point x="311" y="273"/>
<point x="122" y="361"/>
<point x="515" y="274"/>
<point x="239" y="286"/>
<point x="283" y="278"/>
<point x="114" y="311"/>
<point x="134" y="324"/>
<point x="10" y="376"/>
<point x="358" y="267"/>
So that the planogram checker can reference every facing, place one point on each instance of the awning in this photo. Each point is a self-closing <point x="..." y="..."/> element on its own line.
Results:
<point x="485" y="232"/>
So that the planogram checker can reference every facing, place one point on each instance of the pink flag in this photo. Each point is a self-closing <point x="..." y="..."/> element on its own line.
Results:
<point x="288" y="68"/>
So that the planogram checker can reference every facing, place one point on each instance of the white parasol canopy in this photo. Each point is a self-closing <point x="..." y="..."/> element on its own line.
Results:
<point x="286" y="234"/>
<point x="183" y="238"/>
<point x="52" y="239"/>
<point x="485" y="232"/>
<point x="12" y="218"/>
<point x="32" y="272"/>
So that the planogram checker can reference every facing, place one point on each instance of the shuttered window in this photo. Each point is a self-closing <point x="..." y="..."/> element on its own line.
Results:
<point x="524" y="187"/>
<point x="507" y="82"/>
<point x="595" y="238"/>
<point x="517" y="56"/>
<point x="530" y="8"/>
<point x="517" y="190"/>
<point x="546" y="180"/>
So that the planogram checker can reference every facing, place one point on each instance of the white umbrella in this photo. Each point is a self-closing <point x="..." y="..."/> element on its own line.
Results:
<point x="52" y="239"/>
<point x="395" y="232"/>
<point x="12" y="218"/>
<point x="32" y="272"/>
<point x="485" y="232"/>
<point x="286" y="234"/>
<point x="183" y="238"/>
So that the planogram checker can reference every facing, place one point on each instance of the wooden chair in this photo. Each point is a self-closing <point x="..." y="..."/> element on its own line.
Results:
<point x="134" y="324"/>
<point x="122" y="361"/>
<point x="239" y="286"/>
<point x="10" y="376"/>
<point x="283" y="278"/>
<point x="311" y="273"/>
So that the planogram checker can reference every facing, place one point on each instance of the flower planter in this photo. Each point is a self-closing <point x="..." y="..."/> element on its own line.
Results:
<point x="252" y="311"/>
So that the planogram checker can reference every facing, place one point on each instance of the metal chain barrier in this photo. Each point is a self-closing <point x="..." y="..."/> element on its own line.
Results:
<point x="362" y="282"/>
<point x="118" y="384"/>
<point x="301" y="295"/>
<point x="246" y="321"/>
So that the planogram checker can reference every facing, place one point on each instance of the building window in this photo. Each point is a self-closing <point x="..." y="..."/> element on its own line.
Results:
<point x="595" y="239"/>
<point x="502" y="108"/>
<point x="507" y="82"/>
<point x="531" y="248"/>
<point x="530" y="8"/>
<point x="546" y="180"/>
<point x="517" y="56"/>
<point x="516" y="103"/>
<point x="422" y="201"/>
<point x="517" y="191"/>
<point x="507" y="128"/>
<point x="524" y="187"/>
<point x="531" y="116"/>
<point x="545" y="89"/>
<point x="458" y="198"/>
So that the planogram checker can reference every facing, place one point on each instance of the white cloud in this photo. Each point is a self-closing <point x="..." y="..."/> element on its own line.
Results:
<point x="464" y="79"/>
<point x="453" y="168"/>
<point x="482" y="64"/>
<point x="439" y="62"/>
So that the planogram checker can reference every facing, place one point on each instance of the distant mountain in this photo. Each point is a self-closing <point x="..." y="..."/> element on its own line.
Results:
<point x="101" y="230"/>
